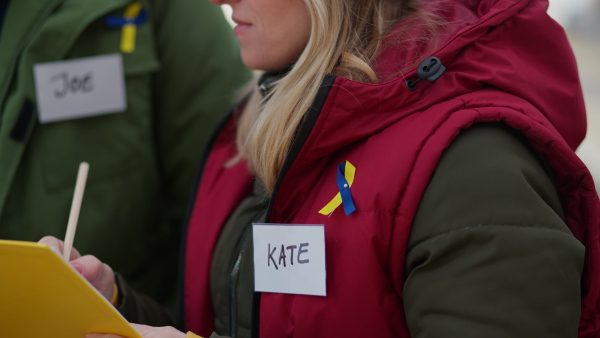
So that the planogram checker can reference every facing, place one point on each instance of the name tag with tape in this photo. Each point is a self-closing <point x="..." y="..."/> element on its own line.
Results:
<point x="289" y="258"/>
<point x="79" y="88"/>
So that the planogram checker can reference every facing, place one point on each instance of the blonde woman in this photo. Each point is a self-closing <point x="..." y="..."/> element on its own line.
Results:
<point x="427" y="147"/>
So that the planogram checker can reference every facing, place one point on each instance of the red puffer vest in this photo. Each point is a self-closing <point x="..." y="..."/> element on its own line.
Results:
<point x="506" y="61"/>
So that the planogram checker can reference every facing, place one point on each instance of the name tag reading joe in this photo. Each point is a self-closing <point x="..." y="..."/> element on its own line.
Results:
<point x="289" y="258"/>
<point x="80" y="87"/>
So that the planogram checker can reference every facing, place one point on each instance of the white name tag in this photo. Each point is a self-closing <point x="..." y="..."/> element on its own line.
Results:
<point x="289" y="258"/>
<point x="80" y="88"/>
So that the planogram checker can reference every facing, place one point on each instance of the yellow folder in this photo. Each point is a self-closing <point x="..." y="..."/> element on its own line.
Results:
<point x="43" y="296"/>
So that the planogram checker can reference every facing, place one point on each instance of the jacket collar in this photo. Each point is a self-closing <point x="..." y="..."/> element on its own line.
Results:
<point x="268" y="79"/>
<point x="483" y="44"/>
<point x="67" y="24"/>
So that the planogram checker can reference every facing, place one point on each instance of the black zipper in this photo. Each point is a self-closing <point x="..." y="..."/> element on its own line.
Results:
<point x="192" y="201"/>
<point x="233" y="278"/>
<point x="303" y="132"/>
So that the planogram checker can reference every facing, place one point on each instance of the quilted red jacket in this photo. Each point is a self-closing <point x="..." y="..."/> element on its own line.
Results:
<point x="505" y="60"/>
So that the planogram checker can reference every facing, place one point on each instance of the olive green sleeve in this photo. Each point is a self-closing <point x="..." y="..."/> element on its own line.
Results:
<point x="489" y="253"/>
<point x="139" y="308"/>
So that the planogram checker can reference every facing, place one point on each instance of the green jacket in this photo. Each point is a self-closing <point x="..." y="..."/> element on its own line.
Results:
<point x="179" y="80"/>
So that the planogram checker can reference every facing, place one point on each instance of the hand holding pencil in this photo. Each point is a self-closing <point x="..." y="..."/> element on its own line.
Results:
<point x="100" y="275"/>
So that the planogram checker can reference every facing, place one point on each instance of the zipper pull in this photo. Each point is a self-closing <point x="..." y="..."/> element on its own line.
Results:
<point x="430" y="69"/>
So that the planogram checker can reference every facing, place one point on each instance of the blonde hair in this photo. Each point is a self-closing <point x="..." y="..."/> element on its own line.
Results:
<point x="345" y="38"/>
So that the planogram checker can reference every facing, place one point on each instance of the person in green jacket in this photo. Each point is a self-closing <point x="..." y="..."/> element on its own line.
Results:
<point x="134" y="89"/>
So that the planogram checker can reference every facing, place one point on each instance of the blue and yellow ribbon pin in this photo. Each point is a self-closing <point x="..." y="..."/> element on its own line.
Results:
<point x="344" y="180"/>
<point x="134" y="16"/>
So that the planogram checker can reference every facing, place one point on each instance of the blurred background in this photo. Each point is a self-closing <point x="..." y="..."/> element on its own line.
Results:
<point x="581" y="20"/>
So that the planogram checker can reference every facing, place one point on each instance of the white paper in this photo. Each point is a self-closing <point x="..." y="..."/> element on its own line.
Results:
<point x="290" y="258"/>
<point x="80" y="87"/>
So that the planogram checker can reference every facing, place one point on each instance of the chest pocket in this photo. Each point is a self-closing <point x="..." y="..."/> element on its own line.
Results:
<point x="116" y="144"/>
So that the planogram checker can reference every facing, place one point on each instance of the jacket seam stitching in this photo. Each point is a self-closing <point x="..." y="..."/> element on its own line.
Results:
<point x="487" y="226"/>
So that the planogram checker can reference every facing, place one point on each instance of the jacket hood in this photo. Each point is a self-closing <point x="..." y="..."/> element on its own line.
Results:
<point x="510" y="45"/>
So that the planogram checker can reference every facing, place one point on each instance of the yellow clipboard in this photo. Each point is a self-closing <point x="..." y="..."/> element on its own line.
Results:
<point x="43" y="296"/>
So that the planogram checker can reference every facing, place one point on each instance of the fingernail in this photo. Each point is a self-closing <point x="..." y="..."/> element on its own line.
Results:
<point x="79" y="269"/>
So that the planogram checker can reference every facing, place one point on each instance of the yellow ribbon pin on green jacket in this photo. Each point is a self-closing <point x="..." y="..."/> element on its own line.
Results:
<point x="129" y="30"/>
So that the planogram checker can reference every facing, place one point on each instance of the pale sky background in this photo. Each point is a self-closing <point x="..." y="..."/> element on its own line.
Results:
<point x="581" y="20"/>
